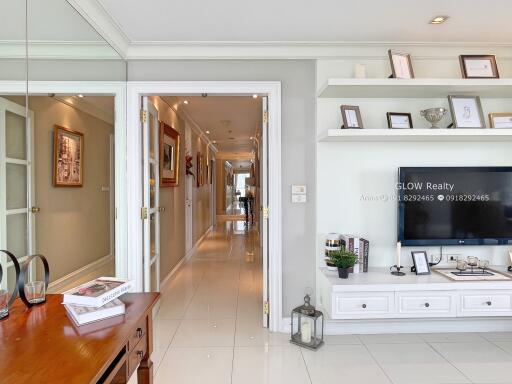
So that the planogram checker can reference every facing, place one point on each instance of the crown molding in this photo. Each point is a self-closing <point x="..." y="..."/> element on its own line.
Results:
<point x="106" y="26"/>
<point x="306" y="50"/>
<point x="47" y="50"/>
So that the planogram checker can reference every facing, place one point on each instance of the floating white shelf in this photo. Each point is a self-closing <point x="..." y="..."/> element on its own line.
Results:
<point x="417" y="134"/>
<point x="415" y="88"/>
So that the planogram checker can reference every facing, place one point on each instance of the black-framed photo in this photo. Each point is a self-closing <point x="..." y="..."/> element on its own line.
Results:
<point x="500" y="120"/>
<point x="420" y="260"/>
<point x="401" y="64"/>
<point x="466" y="111"/>
<point x="351" y="116"/>
<point x="479" y="67"/>
<point x="398" y="120"/>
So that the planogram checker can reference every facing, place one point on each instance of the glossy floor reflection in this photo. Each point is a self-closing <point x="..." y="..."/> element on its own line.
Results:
<point x="209" y="330"/>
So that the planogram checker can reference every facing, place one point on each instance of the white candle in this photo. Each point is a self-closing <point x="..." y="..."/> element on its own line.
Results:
<point x="305" y="332"/>
<point x="360" y="71"/>
<point x="398" y="253"/>
<point x="510" y="255"/>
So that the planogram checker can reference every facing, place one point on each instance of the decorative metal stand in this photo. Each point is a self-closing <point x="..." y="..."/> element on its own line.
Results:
<point x="23" y="273"/>
<point x="17" y="270"/>
<point x="395" y="270"/>
<point x="509" y="268"/>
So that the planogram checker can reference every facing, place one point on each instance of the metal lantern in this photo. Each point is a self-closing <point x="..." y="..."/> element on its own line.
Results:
<point x="307" y="326"/>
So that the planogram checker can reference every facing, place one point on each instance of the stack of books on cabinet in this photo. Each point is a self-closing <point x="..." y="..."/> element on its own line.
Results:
<point x="359" y="246"/>
<point x="96" y="300"/>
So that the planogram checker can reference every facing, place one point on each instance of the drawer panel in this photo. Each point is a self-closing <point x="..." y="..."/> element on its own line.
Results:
<point x="426" y="304"/>
<point x="139" y="333"/>
<point x="363" y="305"/>
<point x="136" y="355"/>
<point x="493" y="303"/>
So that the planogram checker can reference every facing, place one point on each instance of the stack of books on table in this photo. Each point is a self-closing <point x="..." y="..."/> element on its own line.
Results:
<point x="359" y="246"/>
<point x="96" y="300"/>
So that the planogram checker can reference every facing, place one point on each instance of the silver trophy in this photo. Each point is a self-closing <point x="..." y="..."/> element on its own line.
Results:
<point x="434" y="115"/>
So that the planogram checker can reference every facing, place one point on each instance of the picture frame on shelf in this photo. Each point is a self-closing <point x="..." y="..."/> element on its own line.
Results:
<point x="68" y="157"/>
<point x="351" y="116"/>
<point x="399" y="120"/>
<point x="420" y="261"/>
<point x="169" y="156"/>
<point x="466" y="111"/>
<point x="479" y="67"/>
<point x="401" y="64"/>
<point x="501" y="120"/>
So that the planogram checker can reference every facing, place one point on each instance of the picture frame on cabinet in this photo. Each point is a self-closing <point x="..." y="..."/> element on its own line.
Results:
<point x="420" y="261"/>
<point x="479" y="67"/>
<point x="401" y="65"/>
<point x="500" y="120"/>
<point x="169" y="156"/>
<point x="351" y="116"/>
<point x="399" y="120"/>
<point x="466" y="111"/>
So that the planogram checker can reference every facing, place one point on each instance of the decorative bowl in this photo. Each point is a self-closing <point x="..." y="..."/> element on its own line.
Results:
<point x="434" y="115"/>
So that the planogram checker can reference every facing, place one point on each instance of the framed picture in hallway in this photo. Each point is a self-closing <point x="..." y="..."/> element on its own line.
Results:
<point x="68" y="156"/>
<point x="200" y="169"/>
<point x="169" y="156"/>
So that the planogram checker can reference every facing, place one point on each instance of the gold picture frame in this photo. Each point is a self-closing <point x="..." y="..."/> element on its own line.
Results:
<point x="502" y="120"/>
<point x="68" y="157"/>
<point x="169" y="156"/>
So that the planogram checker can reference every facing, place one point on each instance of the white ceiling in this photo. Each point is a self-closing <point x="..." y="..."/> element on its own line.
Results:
<point x="231" y="120"/>
<point x="321" y="20"/>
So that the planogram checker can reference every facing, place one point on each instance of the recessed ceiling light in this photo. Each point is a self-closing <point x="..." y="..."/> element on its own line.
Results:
<point x="255" y="96"/>
<point x="214" y="141"/>
<point x="252" y="138"/>
<point x="207" y="132"/>
<point x="439" y="19"/>
<point x="185" y="101"/>
<point x="80" y="95"/>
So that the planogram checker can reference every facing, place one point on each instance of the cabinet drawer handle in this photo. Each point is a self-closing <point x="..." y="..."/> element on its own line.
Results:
<point x="140" y="354"/>
<point x="140" y="333"/>
<point x="364" y="305"/>
<point x="489" y="303"/>
<point x="427" y="305"/>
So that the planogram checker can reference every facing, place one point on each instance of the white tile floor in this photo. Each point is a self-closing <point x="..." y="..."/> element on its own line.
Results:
<point x="208" y="330"/>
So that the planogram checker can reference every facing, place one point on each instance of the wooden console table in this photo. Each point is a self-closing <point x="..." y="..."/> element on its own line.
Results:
<point x="42" y="345"/>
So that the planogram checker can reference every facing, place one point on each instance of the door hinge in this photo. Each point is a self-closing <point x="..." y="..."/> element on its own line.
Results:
<point x="265" y="212"/>
<point x="265" y="308"/>
<point x="143" y="213"/>
<point x="143" y="116"/>
<point x="265" y="117"/>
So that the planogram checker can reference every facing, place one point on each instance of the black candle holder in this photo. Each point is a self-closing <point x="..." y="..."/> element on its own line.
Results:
<point x="17" y="270"/>
<point x="23" y="273"/>
<point x="395" y="270"/>
<point x="509" y="268"/>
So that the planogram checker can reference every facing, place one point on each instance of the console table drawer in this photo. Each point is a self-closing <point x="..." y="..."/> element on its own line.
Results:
<point x="139" y="333"/>
<point x="137" y="354"/>
<point x="493" y="303"/>
<point x="426" y="304"/>
<point x="362" y="305"/>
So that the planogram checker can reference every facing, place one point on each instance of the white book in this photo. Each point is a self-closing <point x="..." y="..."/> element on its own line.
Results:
<point x="97" y="292"/>
<point x="84" y="315"/>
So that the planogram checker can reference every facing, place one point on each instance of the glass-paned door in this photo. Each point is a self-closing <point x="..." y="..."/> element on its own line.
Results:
<point x="17" y="232"/>
<point x="264" y="205"/>
<point x="151" y="183"/>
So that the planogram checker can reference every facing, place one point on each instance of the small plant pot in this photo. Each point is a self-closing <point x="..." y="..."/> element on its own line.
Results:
<point x="343" y="273"/>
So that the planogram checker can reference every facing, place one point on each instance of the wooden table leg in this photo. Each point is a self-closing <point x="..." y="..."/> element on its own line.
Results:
<point x="145" y="372"/>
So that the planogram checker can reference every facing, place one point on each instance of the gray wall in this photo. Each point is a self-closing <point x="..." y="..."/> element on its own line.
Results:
<point x="298" y="147"/>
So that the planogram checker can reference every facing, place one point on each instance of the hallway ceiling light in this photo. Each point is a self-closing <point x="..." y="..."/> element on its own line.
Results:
<point x="255" y="96"/>
<point x="252" y="138"/>
<point x="214" y="141"/>
<point x="207" y="132"/>
<point x="185" y="101"/>
<point x="80" y="95"/>
<point x="439" y="19"/>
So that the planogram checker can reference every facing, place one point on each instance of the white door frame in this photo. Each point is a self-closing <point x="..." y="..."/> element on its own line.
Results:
<point x="100" y="88"/>
<point x="137" y="89"/>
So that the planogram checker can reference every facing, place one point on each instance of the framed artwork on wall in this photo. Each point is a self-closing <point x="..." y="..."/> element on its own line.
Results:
<point x="68" y="157"/>
<point x="401" y="65"/>
<point x="397" y="120"/>
<point x="200" y="169"/>
<point x="169" y="156"/>
<point x="479" y="67"/>
<point x="351" y="116"/>
<point x="466" y="111"/>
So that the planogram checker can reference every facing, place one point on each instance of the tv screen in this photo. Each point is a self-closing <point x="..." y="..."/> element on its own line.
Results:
<point x="455" y="206"/>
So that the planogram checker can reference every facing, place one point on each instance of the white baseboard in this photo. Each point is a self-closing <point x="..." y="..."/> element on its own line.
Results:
<point x="99" y="267"/>
<point x="166" y="281"/>
<point x="383" y="326"/>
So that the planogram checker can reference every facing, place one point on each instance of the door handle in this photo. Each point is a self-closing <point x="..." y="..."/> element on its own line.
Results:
<point x="161" y="209"/>
<point x="35" y="209"/>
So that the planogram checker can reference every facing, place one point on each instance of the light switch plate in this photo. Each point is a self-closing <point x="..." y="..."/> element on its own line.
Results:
<point x="298" y="189"/>
<point x="299" y="198"/>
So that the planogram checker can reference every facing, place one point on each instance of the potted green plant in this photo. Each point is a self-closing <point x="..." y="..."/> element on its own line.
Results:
<point x="344" y="260"/>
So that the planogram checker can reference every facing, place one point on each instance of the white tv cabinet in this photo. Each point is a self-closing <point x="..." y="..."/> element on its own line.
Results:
<point x="402" y="301"/>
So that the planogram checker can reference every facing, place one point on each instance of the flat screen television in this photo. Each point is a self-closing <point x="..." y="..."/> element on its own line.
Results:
<point x="455" y="205"/>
